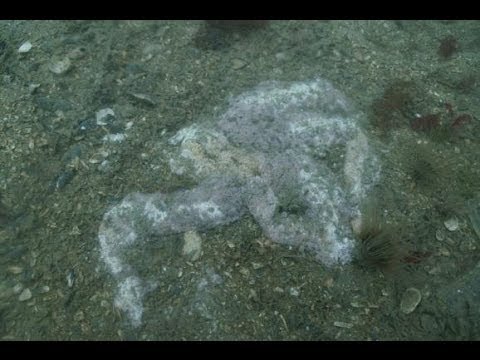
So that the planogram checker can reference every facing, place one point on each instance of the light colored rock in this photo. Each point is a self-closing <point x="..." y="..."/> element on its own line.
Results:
<point x="451" y="224"/>
<point x="237" y="64"/>
<point x="294" y="291"/>
<point x="17" y="288"/>
<point x="15" y="270"/>
<point x="25" y="47"/>
<point x="61" y="66"/>
<point x="102" y="115"/>
<point x="343" y="325"/>
<point x="192" y="246"/>
<point x="25" y="295"/>
<point x="410" y="300"/>
<point x="439" y="235"/>
<point x="5" y="290"/>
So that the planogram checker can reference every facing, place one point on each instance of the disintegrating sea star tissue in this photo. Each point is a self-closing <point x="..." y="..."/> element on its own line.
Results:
<point x="292" y="154"/>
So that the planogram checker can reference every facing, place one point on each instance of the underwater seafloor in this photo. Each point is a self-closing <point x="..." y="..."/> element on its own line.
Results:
<point x="95" y="112"/>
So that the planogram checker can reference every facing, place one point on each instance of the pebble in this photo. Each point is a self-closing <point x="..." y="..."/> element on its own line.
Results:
<point x="103" y="115"/>
<point x="70" y="278"/>
<point x="192" y="246"/>
<point x="244" y="271"/>
<point x="143" y="98"/>
<point x="79" y="316"/>
<point x="17" y="288"/>
<point x="77" y="53"/>
<point x="61" y="66"/>
<point x="5" y="290"/>
<point x="359" y="55"/>
<point x="294" y="291"/>
<point x="44" y="289"/>
<point x="25" y="295"/>
<point x="342" y="324"/>
<point x="444" y="252"/>
<point x="25" y="47"/>
<point x="328" y="283"/>
<point x="253" y="295"/>
<point x="280" y="56"/>
<point x="410" y="300"/>
<point x="32" y="88"/>
<point x="451" y="224"/>
<point x="256" y="265"/>
<point x="237" y="64"/>
<point x="15" y="270"/>
<point x="439" y="235"/>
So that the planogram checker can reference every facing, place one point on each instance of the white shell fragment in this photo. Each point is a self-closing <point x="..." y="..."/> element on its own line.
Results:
<point x="25" y="47"/>
<point x="102" y="114"/>
<point x="192" y="246"/>
<point x="342" y="324"/>
<point x="439" y="235"/>
<point x="60" y="67"/>
<point x="451" y="224"/>
<point x="410" y="300"/>
<point x="25" y="295"/>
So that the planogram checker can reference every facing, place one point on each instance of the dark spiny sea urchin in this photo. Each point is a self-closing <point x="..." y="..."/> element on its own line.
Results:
<point x="380" y="245"/>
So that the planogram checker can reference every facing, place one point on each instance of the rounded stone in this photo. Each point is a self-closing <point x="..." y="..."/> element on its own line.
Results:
<point x="192" y="246"/>
<point x="25" y="295"/>
<point x="237" y="64"/>
<point x="439" y="235"/>
<point x="410" y="300"/>
<point x="60" y="67"/>
<point x="25" y="47"/>
<point x="17" y="288"/>
<point x="451" y="224"/>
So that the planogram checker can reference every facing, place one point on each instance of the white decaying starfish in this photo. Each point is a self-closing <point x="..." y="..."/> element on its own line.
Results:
<point x="291" y="154"/>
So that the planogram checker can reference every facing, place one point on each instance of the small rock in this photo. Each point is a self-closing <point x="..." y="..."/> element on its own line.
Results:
<point x="79" y="316"/>
<point x="410" y="300"/>
<point x="5" y="291"/>
<point x="25" y="47"/>
<point x="256" y="265"/>
<point x="77" y="53"/>
<point x="244" y="271"/>
<point x="253" y="295"/>
<point x="451" y="224"/>
<point x="103" y="116"/>
<point x="192" y="245"/>
<point x="44" y="289"/>
<point x="294" y="291"/>
<point x="435" y="270"/>
<point x="237" y="64"/>
<point x="15" y="270"/>
<point x="356" y="225"/>
<point x="17" y="288"/>
<point x="280" y="56"/>
<point x="25" y="295"/>
<point x="444" y="252"/>
<point x="359" y="55"/>
<point x="143" y="98"/>
<point x="439" y="235"/>
<point x="328" y="283"/>
<point x="70" y="278"/>
<point x="32" y="88"/>
<point x="61" y="66"/>
<point x="342" y="324"/>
